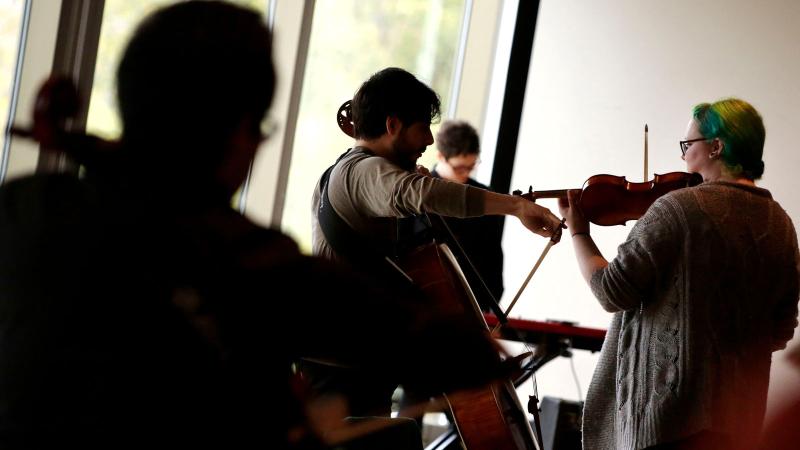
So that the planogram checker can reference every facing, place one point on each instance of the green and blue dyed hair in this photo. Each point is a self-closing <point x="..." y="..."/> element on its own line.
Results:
<point x="740" y="127"/>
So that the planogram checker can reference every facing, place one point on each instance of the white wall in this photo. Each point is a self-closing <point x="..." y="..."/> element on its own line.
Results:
<point x="599" y="72"/>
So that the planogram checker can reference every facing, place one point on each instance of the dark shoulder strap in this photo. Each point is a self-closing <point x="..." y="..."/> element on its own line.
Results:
<point x="340" y="236"/>
<point x="355" y="249"/>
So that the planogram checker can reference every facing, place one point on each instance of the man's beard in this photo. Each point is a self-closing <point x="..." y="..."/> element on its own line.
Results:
<point x="407" y="159"/>
<point x="407" y="164"/>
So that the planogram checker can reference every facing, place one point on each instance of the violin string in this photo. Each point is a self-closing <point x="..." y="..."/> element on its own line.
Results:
<point x="645" y="154"/>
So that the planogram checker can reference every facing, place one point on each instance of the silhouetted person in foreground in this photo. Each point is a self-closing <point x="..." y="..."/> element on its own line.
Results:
<point x="138" y="309"/>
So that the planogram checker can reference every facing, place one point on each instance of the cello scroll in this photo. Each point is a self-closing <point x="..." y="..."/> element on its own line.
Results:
<point x="57" y="103"/>
<point x="344" y="117"/>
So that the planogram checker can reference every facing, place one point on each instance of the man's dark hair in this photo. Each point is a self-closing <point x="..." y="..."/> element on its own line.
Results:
<point x="456" y="137"/>
<point x="392" y="92"/>
<point x="189" y="75"/>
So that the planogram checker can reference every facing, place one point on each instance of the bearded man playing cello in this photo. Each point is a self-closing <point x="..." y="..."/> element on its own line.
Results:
<point x="362" y="202"/>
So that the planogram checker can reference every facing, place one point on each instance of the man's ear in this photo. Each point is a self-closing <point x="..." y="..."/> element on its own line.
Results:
<point x="393" y="126"/>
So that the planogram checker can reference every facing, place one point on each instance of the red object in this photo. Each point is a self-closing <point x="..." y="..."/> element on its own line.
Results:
<point x="533" y="331"/>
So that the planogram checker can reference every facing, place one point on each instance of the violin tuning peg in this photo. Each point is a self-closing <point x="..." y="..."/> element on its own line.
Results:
<point x="530" y="189"/>
<point x="516" y="192"/>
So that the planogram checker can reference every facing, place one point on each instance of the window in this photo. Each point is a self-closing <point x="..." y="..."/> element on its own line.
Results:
<point x="10" y="32"/>
<point x="350" y="40"/>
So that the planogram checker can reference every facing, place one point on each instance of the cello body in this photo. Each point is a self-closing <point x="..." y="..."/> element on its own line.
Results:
<point x="490" y="417"/>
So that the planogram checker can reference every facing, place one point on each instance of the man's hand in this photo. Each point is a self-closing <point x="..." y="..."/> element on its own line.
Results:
<point x="422" y="170"/>
<point x="537" y="218"/>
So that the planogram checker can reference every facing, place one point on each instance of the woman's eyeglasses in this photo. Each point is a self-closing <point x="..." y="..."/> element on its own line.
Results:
<point x="686" y="144"/>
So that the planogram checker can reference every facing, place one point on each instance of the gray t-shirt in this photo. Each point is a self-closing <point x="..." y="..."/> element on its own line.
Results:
<point x="370" y="193"/>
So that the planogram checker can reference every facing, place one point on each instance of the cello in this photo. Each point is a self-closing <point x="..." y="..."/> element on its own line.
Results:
<point x="488" y="417"/>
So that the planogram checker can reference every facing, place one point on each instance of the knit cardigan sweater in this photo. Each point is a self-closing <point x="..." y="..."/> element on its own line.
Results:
<point x="703" y="290"/>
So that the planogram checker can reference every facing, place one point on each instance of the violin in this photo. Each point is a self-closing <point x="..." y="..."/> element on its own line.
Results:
<point x="613" y="200"/>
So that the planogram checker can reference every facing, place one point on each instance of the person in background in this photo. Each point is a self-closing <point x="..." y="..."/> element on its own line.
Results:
<point x="703" y="290"/>
<point x="459" y="153"/>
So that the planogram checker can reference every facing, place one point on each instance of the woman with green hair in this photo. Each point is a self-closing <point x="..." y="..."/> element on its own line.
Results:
<point x="725" y="140"/>
<point x="703" y="290"/>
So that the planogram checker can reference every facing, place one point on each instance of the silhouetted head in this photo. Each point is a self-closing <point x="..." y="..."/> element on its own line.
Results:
<point x="193" y="75"/>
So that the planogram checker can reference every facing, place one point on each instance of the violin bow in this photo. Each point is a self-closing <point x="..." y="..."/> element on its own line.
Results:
<point x="645" y="153"/>
<point x="554" y="239"/>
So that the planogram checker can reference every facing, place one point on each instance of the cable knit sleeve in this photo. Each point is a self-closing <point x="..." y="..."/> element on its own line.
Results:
<point x="649" y="252"/>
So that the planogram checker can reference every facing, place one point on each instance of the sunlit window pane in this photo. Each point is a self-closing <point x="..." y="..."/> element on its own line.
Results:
<point x="350" y="40"/>
<point x="10" y="28"/>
